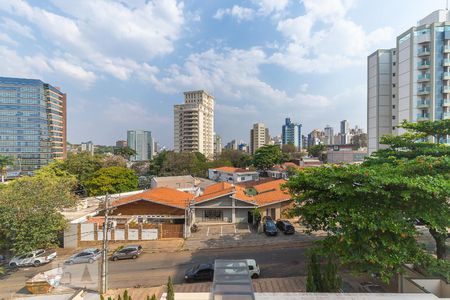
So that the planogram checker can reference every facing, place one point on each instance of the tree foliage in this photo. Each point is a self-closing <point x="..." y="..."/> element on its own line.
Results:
<point x="5" y="161"/>
<point x="113" y="161"/>
<point x="125" y="152"/>
<point x="369" y="210"/>
<point x="237" y="158"/>
<point x="30" y="208"/>
<point x="288" y="148"/>
<point x="316" y="150"/>
<point x="112" y="180"/>
<point x="267" y="156"/>
<point x="359" y="141"/>
<point x="170" y="291"/>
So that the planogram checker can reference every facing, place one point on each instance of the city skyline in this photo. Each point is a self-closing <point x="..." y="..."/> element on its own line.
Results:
<point x="107" y="83"/>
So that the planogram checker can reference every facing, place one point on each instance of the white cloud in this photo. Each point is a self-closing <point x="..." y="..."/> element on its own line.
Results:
<point x="337" y="44"/>
<point x="132" y="113"/>
<point x="263" y="8"/>
<point x="22" y="66"/>
<point x="238" y="12"/>
<point x="12" y="26"/>
<point x="72" y="70"/>
<point x="112" y="37"/>
<point x="5" y="38"/>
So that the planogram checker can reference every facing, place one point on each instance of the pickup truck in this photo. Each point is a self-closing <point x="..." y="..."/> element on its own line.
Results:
<point x="34" y="258"/>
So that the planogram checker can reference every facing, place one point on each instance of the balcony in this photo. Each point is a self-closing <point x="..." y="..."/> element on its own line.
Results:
<point x="423" y="52"/>
<point x="425" y="64"/>
<point x="446" y="103"/>
<point x="447" y="49"/>
<point x="446" y="62"/>
<point x="446" y="116"/>
<point x="423" y="77"/>
<point x="446" y="76"/>
<point x="423" y="117"/>
<point x="424" y="90"/>
<point x="424" y="103"/>
<point x="446" y="89"/>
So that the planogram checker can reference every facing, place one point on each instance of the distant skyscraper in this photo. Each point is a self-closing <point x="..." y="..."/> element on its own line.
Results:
<point x="121" y="144"/>
<point x="88" y="147"/>
<point x="32" y="122"/>
<point x="344" y="134"/>
<point x="316" y="137"/>
<point x="194" y="124"/>
<point x="259" y="136"/>
<point x="140" y="141"/>
<point x="411" y="81"/>
<point x="217" y="145"/>
<point x="231" y="145"/>
<point x="291" y="133"/>
<point x="329" y="135"/>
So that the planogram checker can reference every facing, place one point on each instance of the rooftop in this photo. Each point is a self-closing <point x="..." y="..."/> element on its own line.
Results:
<point x="161" y="195"/>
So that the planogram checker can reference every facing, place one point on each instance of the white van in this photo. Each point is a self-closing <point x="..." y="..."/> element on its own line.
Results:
<point x="253" y="268"/>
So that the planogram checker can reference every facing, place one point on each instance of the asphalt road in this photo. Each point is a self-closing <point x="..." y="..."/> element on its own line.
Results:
<point x="153" y="269"/>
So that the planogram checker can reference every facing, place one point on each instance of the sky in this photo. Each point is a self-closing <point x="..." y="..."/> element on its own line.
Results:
<point x="124" y="64"/>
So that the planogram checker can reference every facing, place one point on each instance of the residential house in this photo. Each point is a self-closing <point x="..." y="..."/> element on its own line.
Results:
<point x="232" y="175"/>
<point x="186" y="183"/>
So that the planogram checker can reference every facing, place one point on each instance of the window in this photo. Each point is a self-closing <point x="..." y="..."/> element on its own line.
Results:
<point x="393" y="106"/>
<point x="393" y="74"/>
<point x="393" y="63"/>
<point x="393" y="128"/>
<point x="393" y="85"/>
<point x="393" y="117"/>
<point x="393" y="96"/>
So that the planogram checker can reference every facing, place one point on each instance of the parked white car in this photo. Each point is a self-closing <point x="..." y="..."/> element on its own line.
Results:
<point x="253" y="268"/>
<point x="34" y="258"/>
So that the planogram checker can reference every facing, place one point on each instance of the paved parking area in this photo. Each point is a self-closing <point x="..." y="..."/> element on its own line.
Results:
<point x="218" y="230"/>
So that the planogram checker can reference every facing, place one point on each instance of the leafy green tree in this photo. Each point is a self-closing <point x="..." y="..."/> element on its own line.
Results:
<point x="82" y="165"/>
<point x="170" y="290"/>
<point x="114" y="161"/>
<point x="331" y="281"/>
<point x="368" y="211"/>
<point x="125" y="152"/>
<point x="5" y="161"/>
<point x="103" y="150"/>
<point x="359" y="141"/>
<point x="112" y="180"/>
<point x="30" y="208"/>
<point x="314" y="279"/>
<point x="267" y="156"/>
<point x="288" y="148"/>
<point x="316" y="150"/>
<point x="238" y="159"/>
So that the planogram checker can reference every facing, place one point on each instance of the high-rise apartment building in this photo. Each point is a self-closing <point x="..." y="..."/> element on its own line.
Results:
<point x="259" y="136"/>
<point x="194" y="124"/>
<point x="316" y="137"/>
<point x="291" y="133"/>
<point x="329" y="135"/>
<point x="140" y="141"/>
<point x="345" y="135"/>
<point x="87" y="147"/>
<point x="411" y="81"/>
<point x="33" y="122"/>
<point x="217" y="145"/>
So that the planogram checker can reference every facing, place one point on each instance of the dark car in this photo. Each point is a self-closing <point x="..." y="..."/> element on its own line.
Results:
<point x="132" y="251"/>
<point x="286" y="227"/>
<point x="269" y="227"/>
<point x="202" y="272"/>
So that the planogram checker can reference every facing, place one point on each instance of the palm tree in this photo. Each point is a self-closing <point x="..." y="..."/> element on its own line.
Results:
<point x="5" y="161"/>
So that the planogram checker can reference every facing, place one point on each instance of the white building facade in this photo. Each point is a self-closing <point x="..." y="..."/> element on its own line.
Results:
<point x="194" y="124"/>
<point x="412" y="81"/>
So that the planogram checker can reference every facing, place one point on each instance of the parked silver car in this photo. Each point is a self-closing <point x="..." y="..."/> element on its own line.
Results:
<point x="34" y="258"/>
<point x="85" y="256"/>
<point x="130" y="251"/>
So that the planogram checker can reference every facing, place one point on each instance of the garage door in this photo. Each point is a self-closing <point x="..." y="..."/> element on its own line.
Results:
<point x="149" y="234"/>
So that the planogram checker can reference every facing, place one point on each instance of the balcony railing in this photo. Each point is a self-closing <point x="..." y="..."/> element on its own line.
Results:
<point x="423" y="77"/>
<point x="423" y="103"/>
<point x="446" y="102"/>
<point x="447" y="48"/>
<point x="446" y="62"/>
<point x="446" y="115"/>
<point x="425" y="64"/>
<point x="446" y="75"/>
<point x="423" y="52"/>
<point x="423" y="90"/>
<point x="446" y="89"/>
<point x="423" y="117"/>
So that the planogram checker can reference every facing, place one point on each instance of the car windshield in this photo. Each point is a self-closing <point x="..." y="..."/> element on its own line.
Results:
<point x="270" y="225"/>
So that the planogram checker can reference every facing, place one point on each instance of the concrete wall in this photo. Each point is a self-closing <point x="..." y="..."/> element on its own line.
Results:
<point x="242" y="215"/>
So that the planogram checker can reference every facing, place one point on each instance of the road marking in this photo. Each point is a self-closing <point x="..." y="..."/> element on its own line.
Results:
<point x="235" y="231"/>
<point x="207" y="231"/>
<point x="221" y="230"/>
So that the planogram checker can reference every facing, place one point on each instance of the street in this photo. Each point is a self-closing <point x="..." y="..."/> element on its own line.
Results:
<point x="153" y="269"/>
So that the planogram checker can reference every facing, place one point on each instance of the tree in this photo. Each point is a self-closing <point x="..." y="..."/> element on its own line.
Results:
<point x="112" y="180"/>
<point x="170" y="291"/>
<point x="316" y="150"/>
<point x="114" y="161"/>
<point x="30" y="208"/>
<point x="238" y="159"/>
<point x="125" y="152"/>
<point x="359" y="141"/>
<point x="5" y="161"/>
<point x="82" y="165"/>
<point x="331" y="281"/>
<point x="288" y="148"/>
<point x="368" y="211"/>
<point x="314" y="280"/>
<point x="267" y="156"/>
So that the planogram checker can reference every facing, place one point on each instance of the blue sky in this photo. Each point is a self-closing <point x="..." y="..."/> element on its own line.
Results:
<point x="124" y="64"/>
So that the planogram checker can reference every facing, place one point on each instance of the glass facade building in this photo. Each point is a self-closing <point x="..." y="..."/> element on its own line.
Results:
<point x="32" y="123"/>
<point x="140" y="141"/>
<point x="291" y="133"/>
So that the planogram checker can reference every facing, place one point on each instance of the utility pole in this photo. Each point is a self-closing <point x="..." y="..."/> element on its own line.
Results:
<point x="104" y="272"/>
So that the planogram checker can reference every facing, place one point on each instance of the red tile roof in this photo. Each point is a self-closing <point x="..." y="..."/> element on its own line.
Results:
<point x="162" y="195"/>
<point x="231" y="169"/>
<point x="268" y="186"/>
<point x="215" y="191"/>
<point x="268" y="193"/>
